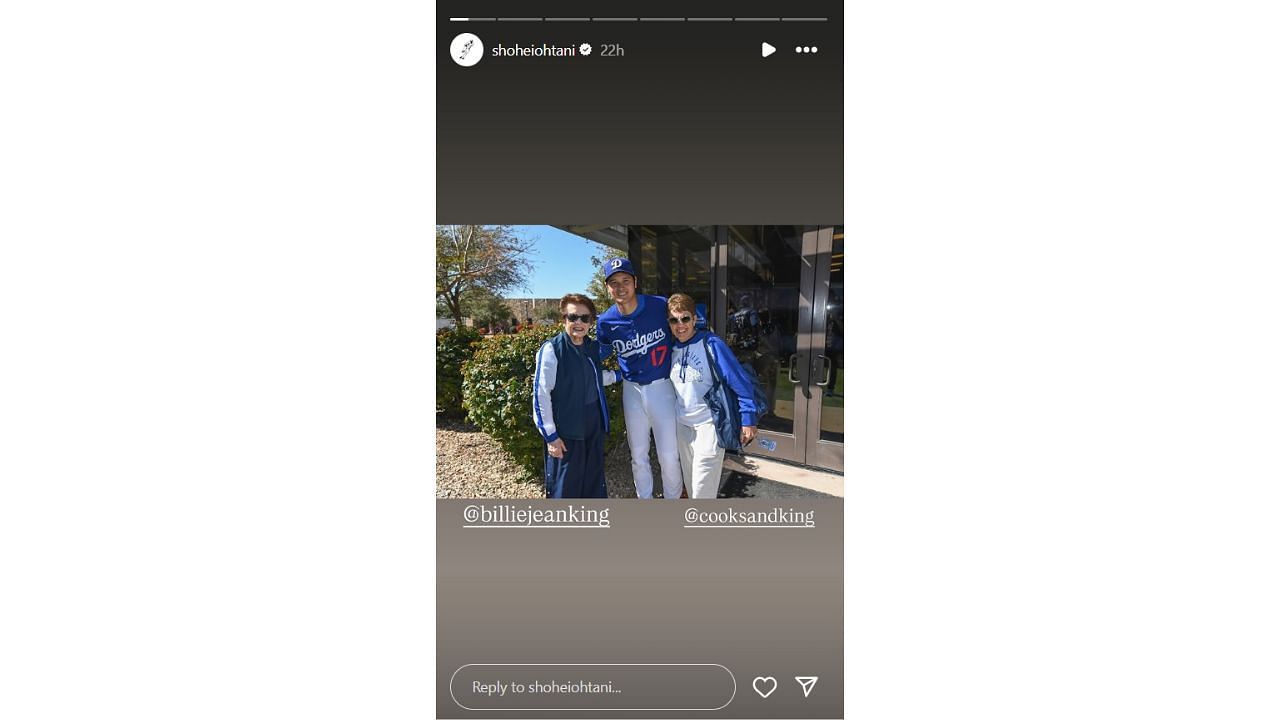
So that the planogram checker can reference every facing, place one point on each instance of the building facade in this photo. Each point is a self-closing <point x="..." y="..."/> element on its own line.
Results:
<point x="537" y="309"/>
<point x="775" y="293"/>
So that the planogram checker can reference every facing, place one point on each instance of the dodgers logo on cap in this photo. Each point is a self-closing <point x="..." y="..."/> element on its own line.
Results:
<point x="618" y="265"/>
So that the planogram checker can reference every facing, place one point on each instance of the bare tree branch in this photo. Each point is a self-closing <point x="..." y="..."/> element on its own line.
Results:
<point x="479" y="257"/>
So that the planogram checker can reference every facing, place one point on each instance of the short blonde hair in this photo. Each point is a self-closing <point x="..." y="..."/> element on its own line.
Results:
<point x="683" y="303"/>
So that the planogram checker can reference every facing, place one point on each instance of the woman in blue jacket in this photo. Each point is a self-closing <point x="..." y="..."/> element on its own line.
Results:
<point x="569" y="404"/>
<point x="701" y="456"/>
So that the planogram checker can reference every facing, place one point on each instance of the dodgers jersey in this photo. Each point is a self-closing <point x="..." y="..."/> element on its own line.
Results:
<point x="641" y="340"/>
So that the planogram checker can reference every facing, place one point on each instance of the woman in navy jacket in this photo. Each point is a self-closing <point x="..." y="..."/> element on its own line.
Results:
<point x="701" y="456"/>
<point x="569" y="404"/>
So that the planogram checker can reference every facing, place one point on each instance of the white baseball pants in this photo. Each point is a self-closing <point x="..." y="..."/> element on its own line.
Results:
<point x="701" y="459"/>
<point x="648" y="408"/>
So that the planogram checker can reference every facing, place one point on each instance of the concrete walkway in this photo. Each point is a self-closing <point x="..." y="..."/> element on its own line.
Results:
<point x="757" y="477"/>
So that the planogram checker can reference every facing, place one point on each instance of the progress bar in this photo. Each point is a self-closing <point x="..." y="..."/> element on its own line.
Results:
<point x="631" y="19"/>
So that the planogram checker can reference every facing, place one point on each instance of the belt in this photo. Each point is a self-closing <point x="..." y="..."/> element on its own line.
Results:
<point x="646" y="382"/>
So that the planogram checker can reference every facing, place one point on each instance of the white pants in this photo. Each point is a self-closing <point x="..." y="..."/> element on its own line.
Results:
<point x="702" y="458"/>
<point x="652" y="407"/>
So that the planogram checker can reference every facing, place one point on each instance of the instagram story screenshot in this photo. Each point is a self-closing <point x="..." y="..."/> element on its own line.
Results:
<point x="640" y="376"/>
<point x="806" y="359"/>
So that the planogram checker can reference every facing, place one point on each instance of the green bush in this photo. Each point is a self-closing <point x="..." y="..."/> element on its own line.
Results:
<point x="453" y="347"/>
<point x="497" y="390"/>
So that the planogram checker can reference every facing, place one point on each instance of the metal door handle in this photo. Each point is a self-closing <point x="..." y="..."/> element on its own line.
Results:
<point x="791" y="368"/>
<point x="826" y="378"/>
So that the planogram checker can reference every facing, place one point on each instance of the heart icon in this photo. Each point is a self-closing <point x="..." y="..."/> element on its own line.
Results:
<point x="760" y="683"/>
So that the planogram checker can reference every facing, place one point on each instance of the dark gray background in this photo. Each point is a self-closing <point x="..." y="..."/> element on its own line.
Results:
<point x="647" y="590"/>
<point x="690" y="126"/>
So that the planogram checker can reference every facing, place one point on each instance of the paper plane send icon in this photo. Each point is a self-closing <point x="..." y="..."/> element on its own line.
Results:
<point x="807" y="683"/>
<point x="766" y="49"/>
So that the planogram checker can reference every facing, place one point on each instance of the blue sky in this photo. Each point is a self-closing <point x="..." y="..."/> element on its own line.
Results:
<point x="562" y="263"/>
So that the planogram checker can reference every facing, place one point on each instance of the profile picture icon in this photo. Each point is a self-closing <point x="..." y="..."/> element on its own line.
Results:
<point x="466" y="49"/>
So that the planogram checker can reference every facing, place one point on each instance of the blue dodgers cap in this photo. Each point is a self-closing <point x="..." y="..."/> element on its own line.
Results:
<point x="617" y="265"/>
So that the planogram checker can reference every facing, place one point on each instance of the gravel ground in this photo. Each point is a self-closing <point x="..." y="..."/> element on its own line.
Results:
<point x="469" y="464"/>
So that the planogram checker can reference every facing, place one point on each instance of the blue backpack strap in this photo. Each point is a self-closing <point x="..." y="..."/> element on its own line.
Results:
<point x="720" y="398"/>
<point x="711" y="355"/>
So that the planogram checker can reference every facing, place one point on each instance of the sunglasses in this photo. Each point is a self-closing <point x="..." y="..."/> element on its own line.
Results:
<point x="679" y="320"/>
<point x="577" y="318"/>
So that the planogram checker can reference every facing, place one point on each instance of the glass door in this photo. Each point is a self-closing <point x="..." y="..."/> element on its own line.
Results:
<point x="782" y="317"/>
<point x="764" y="273"/>
<point x="824" y="443"/>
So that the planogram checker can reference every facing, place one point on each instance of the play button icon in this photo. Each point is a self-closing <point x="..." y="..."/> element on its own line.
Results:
<point x="766" y="49"/>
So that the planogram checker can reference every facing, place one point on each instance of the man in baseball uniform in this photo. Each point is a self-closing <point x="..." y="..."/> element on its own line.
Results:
<point x="635" y="328"/>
